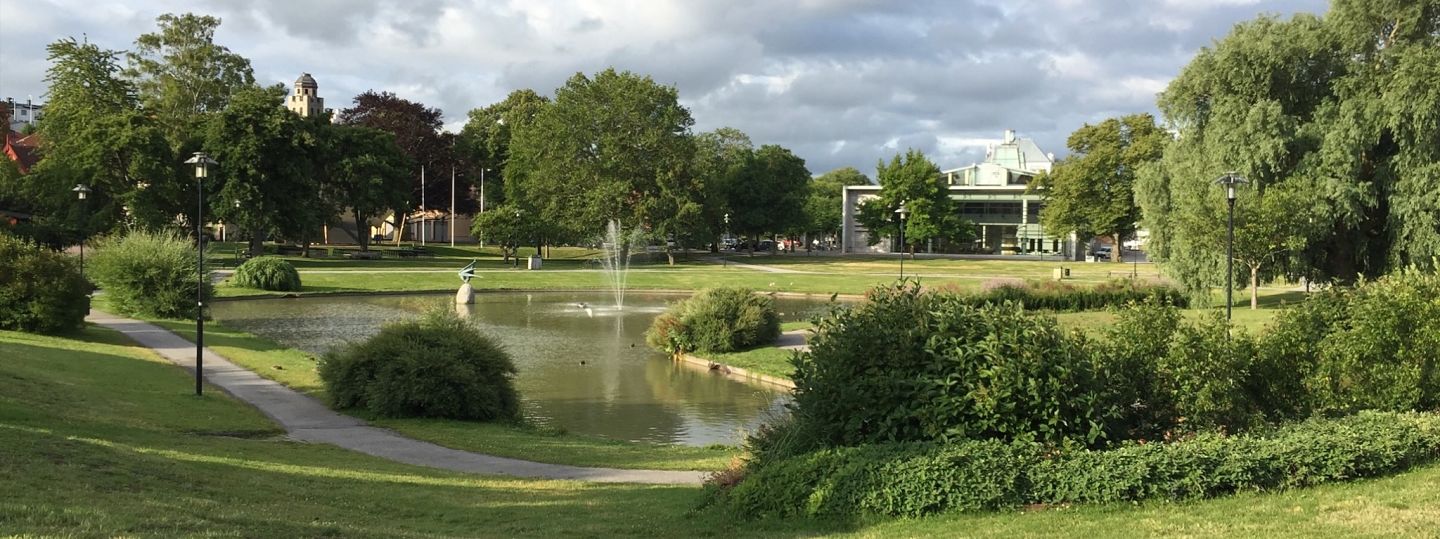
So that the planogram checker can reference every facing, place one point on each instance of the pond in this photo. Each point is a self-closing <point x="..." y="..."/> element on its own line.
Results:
<point x="582" y="368"/>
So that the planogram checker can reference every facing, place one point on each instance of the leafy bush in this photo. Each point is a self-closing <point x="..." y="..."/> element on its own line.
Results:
<point x="923" y="478"/>
<point x="440" y="366"/>
<point x="148" y="274"/>
<point x="1207" y="373"/>
<point x="40" y="290"/>
<point x="1061" y="296"/>
<point x="1128" y="354"/>
<point x="267" y="273"/>
<point x="1384" y="355"/>
<point x="724" y="319"/>
<point x="911" y="366"/>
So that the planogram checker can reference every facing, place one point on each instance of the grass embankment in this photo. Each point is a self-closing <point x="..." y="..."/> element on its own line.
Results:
<point x="102" y="438"/>
<point x="297" y="370"/>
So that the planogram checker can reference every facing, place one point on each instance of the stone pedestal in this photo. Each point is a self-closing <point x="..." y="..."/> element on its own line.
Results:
<point x="466" y="295"/>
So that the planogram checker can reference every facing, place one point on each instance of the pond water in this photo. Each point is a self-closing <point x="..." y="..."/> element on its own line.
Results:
<point x="623" y="389"/>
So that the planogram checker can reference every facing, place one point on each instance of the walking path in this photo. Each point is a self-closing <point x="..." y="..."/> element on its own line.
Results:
<point x="308" y="420"/>
<point x="757" y="267"/>
<point x="793" y="340"/>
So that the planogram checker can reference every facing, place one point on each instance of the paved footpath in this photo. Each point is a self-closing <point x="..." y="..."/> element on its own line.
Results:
<point x="306" y="419"/>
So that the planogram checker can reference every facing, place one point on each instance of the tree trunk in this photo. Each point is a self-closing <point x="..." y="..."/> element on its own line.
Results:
<point x="1254" y="287"/>
<point x="362" y="235"/>
<point x="400" y="223"/>
<point x="1115" y="249"/>
<point x="670" y="256"/>
<point x="257" y="243"/>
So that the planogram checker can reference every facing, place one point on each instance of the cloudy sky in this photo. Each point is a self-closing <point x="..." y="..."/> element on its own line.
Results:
<point x="840" y="82"/>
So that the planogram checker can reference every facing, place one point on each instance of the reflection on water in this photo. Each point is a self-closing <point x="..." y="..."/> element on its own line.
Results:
<point x="582" y="366"/>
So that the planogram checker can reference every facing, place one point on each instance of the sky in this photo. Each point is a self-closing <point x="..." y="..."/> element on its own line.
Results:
<point x="839" y="82"/>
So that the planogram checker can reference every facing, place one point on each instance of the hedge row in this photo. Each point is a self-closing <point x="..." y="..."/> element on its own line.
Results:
<point x="1037" y="295"/>
<point x="923" y="478"/>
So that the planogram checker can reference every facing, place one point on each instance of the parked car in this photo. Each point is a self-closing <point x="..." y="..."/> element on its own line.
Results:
<point x="1102" y="252"/>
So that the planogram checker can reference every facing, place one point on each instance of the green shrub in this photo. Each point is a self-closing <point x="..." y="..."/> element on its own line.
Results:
<point x="924" y="478"/>
<point x="716" y="320"/>
<point x="1384" y="355"/>
<point x="1127" y="355"/>
<point x="267" y="273"/>
<point x="1062" y="296"/>
<point x="441" y="366"/>
<point x="912" y="366"/>
<point x="40" y="290"/>
<point x="1207" y="375"/>
<point x="148" y="274"/>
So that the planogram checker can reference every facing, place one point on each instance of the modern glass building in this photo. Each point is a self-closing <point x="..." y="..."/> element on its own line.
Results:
<point x="992" y="194"/>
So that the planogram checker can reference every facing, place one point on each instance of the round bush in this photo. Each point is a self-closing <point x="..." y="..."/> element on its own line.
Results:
<point x="440" y="366"/>
<point x="716" y="320"/>
<point x="40" y="290"/>
<point x="267" y="273"/>
<point x="148" y="274"/>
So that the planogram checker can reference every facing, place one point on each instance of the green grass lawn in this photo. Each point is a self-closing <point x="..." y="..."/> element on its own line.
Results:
<point x="102" y="438"/>
<point x="764" y="360"/>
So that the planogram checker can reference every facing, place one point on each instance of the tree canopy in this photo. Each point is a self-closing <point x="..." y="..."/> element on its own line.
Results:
<point x="613" y="146"/>
<point x="1092" y="191"/>
<point x="183" y="75"/>
<point x="485" y="139"/>
<point x="1339" y="111"/>
<point x="416" y="129"/>
<point x="822" y="207"/>
<point x="915" y="181"/>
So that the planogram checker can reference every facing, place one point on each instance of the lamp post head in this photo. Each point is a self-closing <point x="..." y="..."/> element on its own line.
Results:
<point x="81" y="190"/>
<point x="903" y="212"/>
<point x="1230" y="180"/>
<point x="202" y="164"/>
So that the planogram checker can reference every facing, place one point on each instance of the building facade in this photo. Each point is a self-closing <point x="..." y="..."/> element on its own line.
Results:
<point x="992" y="194"/>
<point x="306" y="100"/>
<point x="23" y="115"/>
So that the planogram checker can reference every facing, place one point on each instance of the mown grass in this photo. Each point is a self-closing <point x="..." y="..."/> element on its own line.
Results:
<point x="298" y="371"/>
<point x="767" y="360"/>
<point x="102" y="438"/>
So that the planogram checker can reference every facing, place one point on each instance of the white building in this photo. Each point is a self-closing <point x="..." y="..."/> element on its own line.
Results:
<point x="23" y="114"/>
<point x="992" y="194"/>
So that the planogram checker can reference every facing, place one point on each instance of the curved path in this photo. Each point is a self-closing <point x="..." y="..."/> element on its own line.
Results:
<point x="308" y="420"/>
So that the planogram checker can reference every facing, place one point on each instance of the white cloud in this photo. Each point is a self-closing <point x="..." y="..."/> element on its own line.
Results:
<point x="841" y="82"/>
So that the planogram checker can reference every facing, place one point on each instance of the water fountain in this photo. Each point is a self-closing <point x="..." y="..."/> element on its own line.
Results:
<point x="615" y="261"/>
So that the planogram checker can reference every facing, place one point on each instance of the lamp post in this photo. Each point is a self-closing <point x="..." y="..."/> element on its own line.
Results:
<point x="202" y="164"/>
<point x="903" y="212"/>
<point x="1230" y="180"/>
<point x="81" y="191"/>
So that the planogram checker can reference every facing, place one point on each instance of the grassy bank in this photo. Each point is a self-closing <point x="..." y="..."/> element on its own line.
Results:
<point x="101" y="438"/>
<point x="297" y="370"/>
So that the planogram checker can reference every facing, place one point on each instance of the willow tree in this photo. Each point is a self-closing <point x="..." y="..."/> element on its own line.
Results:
<point x="1339" y="112"/>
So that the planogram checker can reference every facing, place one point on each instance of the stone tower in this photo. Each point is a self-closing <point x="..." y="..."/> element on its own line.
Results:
<point x="306" y="101"/>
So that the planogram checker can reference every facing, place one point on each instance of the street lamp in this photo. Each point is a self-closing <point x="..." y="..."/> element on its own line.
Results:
<point x="202" y="164"/>
<point x="81" y="191"/>
<point x="903" y="212"/>
<point x="1230" y="180"/>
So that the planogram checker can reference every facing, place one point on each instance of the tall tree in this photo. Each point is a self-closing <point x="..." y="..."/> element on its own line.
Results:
<point x="265" y="183"/>
<point x="1340" y="108"/>
<point x="615" y="146"/>
<point x="485" y="139"/>
<point x="96" y="133"/>
<point x="183" y="75"/>
<point x="768" y="194"/>
<point x="914" y="181"/>
<point x="370" y="175"/>
<point x="822" y="208"/>
<point x="416" y="129"/>
<point x="719" y="156"/>
<point x="1092" y="191"/>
